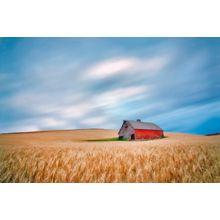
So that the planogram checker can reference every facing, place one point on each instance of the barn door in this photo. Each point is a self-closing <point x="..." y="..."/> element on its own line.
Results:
<point x="132" y="137"/>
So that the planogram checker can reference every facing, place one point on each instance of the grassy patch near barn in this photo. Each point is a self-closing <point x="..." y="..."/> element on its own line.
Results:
<point x="123" y="139"/>
<point x="109" y="139"/>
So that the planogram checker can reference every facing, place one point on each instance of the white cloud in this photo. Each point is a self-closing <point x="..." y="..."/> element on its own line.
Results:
<point x="115" y="66"/>
<point x="52" y="122"/>
<point x="111" y="67"/>
<point x="153" y="64"/>
<point x="21" y="128"/>
<point x="91" y="121"/>
<point x="80" y="109"/>
<point x="29" y="128"/>
<point x="76" y="110"/>
<point x="38" y="123"/>
<point x="121" y="95"/>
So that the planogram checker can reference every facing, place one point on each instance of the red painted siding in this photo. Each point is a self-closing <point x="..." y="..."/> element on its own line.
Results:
<point x="147" y="134"/>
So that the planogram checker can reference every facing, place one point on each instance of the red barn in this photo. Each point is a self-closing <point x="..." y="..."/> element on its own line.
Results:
<point x="138" y="130"/>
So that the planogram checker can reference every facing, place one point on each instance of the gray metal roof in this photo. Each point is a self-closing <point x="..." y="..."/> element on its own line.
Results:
<point x="143" y="125"/>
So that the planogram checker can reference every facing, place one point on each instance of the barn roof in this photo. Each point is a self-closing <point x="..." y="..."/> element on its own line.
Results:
<point x="143" y="125"/>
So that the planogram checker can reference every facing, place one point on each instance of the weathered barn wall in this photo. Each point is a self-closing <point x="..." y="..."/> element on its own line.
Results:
<point x="147" y="134"/>
<point x="126" y="131"/>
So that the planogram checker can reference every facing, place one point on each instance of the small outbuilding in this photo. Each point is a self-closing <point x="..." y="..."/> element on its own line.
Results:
<point x="138" y="130"/>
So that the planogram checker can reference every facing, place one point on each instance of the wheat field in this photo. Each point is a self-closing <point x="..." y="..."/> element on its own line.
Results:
<point x="71" y="156"/>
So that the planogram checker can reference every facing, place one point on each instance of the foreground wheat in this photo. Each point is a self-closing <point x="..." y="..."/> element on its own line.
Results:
<point x="64" y="157"/>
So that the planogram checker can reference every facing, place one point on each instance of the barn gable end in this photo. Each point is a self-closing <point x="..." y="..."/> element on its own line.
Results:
<point x="126" y="130"/>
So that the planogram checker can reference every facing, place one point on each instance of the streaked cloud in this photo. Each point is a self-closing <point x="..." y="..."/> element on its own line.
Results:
<point x="153" y="64"/>
<point x="77" y="110"/>
<point x="53" y="122"/>
<point x="125" y="66"/>
<point x="94" y="121"/>
<point x="121" y="95"/>
<point x="111" y="67"/>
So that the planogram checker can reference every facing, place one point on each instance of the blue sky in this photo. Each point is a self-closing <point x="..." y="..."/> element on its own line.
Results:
<point x="68" y="83"/>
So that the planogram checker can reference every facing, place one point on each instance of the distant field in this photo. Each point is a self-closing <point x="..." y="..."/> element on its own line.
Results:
<point x="71" y="156"/>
